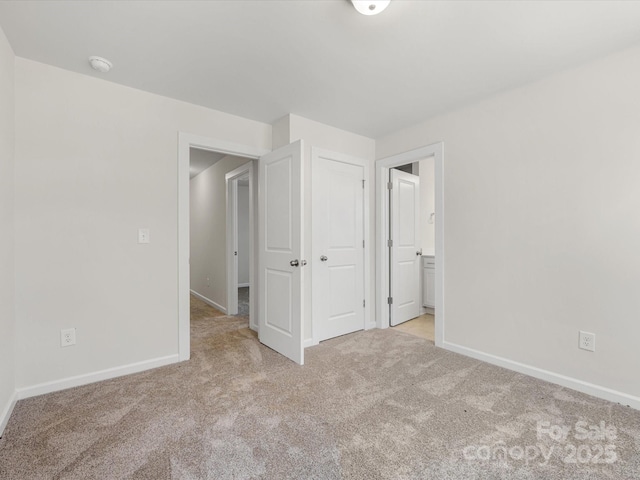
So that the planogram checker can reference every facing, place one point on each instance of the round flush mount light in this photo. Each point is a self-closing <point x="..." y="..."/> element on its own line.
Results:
<point x="100" y="64"/>
<point x="370" y="7"/>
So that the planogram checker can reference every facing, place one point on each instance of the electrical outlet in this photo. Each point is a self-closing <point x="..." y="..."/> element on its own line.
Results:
<point x="67" y="337"/>
<point x="587" y="341"/>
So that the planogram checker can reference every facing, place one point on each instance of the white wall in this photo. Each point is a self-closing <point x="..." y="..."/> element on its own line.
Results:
<point x="541" y="221"/>
<point x="243" y="234"/>
<point x="7" y="318"/>
<point x="94" y="162"/>
<point x="426" y="171"/>
<point x="317" y="134"/>
<point x="208" y="217"/>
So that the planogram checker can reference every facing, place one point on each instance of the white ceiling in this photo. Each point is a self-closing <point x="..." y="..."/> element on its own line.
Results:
<point x="321" y="59"/>
<point x="200" y="160"/>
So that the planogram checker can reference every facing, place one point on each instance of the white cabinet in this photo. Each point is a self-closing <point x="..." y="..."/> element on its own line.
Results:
<point x="429" y="281"/>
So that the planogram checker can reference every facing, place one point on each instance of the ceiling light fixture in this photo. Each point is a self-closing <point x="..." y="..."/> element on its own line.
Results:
<point x="370" y="7"/>
<point x="100" y="64"/>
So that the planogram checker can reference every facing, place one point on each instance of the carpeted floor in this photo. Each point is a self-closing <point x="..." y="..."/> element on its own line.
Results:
<point x="370" y="405"/>
<point x="243" y="301"/>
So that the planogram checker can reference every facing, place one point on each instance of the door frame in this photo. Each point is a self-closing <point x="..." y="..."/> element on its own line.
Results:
<point x="316" y="153"/>
<point x="185" y="142"/>
<point x="382" y="167"/>
<point x="231" y="193"/>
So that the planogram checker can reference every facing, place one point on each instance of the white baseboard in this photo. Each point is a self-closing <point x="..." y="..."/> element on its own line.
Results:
<point x="242" y="285"/>
<point x="6" y="412"/>
<point x="562" y="380"/>
<point x="208" y="301"/>
<point x="69" y="382"/>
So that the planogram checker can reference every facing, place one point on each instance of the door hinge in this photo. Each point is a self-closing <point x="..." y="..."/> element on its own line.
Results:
<point x="362" y="243"/>
<point x="390" y="300"/>
<point x="389" y="243"/>
<point x="389" y="186"/>
<point x="363" y="183"/>
<point x="363" y="303"/>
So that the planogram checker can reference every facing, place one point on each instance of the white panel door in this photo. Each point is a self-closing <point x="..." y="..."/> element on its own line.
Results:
<point x="405" y="250"/>
<point x="280" y="250"/>
<point x="338" y="248"/>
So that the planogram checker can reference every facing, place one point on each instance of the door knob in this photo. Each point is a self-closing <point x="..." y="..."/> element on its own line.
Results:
<point x="323" y="258"/>
<point x="294" y="263"/>
<point x="419" y="252"/>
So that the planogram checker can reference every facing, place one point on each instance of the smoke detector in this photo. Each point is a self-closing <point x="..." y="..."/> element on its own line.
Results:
<point x="100" y="64"/>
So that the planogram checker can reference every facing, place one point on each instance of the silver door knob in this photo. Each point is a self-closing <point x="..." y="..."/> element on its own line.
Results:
<point x="419" y="252"/>
<point x="323" y="258"/>
<point x="294" y="263"/>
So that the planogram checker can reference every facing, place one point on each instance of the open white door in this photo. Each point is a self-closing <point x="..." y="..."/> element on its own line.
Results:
<point x="405" y="248"/>
<point x="280" y="251"/>
<point x="338" y="245"/>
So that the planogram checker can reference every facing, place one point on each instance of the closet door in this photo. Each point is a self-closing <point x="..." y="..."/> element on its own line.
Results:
<point x="338" y="244"/>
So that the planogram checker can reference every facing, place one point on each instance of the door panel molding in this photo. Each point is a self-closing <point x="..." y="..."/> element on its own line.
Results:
<point x="321" y="228"/>
<point x="405" y="234"/>
<point x="281" y="251"/>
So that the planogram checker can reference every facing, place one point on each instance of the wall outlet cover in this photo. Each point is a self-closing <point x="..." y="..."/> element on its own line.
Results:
<point x="67" y="337"/>
<point x="587" y="341"/>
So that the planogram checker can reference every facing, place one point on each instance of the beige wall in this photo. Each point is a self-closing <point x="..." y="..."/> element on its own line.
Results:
<point x="7" y="318"/>
<point x="426" y="170"/>
<point x="94" y="162"/>
<point x="208" y="232"/>
<point x="541" y="221"/>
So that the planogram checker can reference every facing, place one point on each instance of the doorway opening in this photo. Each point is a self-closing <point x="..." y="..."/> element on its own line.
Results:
<point x="191" y="277"/>
<point x="220" y="228"/>
<point x="240" y="240"/>
<point x="409" y="250"/>
<point x="411" y="253"/>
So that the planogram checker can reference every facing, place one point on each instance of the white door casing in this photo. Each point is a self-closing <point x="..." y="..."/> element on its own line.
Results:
<point x="338" y="244"/>
<point x="405" y="255"/>
<point x="231" y="182"/>
<point x="281" y="257"/>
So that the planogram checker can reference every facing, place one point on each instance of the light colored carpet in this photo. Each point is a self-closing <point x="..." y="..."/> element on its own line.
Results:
<point x="202" y="311"/>
<point x="243" y="301"/>
<point x="370" y="405"/>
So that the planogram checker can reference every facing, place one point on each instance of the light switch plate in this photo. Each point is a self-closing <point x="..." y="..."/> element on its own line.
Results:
<point x="143" y="235"/>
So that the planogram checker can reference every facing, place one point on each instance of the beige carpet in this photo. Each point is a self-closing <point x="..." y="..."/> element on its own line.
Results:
<point x="375" y="404"/>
